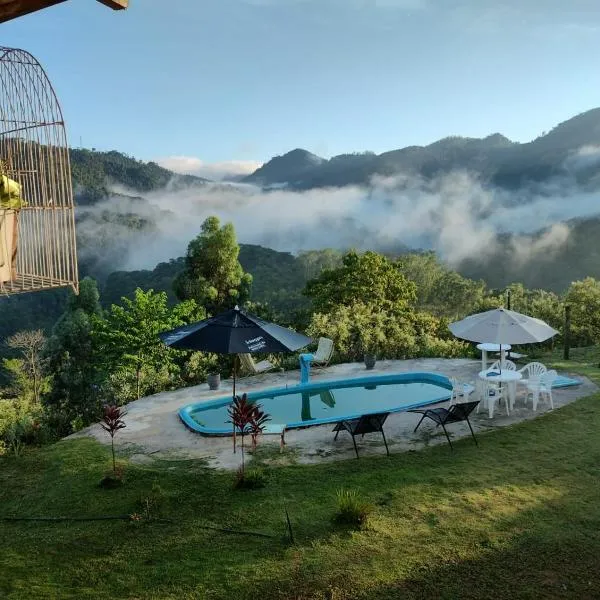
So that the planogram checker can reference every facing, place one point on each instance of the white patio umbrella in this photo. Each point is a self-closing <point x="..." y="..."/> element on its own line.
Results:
<point x="502" y="326"/>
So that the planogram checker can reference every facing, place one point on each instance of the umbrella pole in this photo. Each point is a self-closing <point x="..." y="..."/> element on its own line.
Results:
<point x="234" y="369"/>
<point x="234" y="372"/>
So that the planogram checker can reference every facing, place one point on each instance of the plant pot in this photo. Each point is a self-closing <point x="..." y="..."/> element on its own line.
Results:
<point x="370" y="360"/>
<point x="214" y="381"/>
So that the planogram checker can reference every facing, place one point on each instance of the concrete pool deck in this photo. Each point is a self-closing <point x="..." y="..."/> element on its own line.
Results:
<point x="154" y="429"/>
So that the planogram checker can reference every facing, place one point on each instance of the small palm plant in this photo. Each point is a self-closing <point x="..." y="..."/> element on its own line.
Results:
<point x="112" y="421"/>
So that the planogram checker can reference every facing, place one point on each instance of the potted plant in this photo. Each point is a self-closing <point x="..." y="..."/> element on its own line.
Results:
<point x="370" y="359"/>
<point x="213" y="380"/>
<point x="369" y="344"/>
<point x="367" y="337"/>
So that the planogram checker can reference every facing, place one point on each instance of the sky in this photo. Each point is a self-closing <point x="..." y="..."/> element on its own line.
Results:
<point x="219" y="86"/>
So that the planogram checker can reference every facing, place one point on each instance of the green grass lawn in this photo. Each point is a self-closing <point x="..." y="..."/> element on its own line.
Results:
<point x="518" y="517"/>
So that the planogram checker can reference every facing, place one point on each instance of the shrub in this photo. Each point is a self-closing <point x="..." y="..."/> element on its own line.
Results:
<point x="20" y="423"/>
<point x="351" y="509"/>
<point x="197" y="367"/>
<point x="251" y="479"/>
<point x="153" y="503"/>
<point x="389" y="333"/>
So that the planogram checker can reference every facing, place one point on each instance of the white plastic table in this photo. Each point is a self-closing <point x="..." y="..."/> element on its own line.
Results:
<point x="487" y="347"/>
<point x="509" y="377"/>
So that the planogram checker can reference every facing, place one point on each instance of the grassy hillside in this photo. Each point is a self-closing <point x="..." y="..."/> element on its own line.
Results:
<point x="515" y="518"/>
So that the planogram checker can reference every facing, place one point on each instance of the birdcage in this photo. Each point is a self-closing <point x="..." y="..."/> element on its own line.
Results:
<point x="37" y="221"/>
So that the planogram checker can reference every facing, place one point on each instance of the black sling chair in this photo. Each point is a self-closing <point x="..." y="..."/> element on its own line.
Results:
<point x="443" y="416"/>
<point x="362" y="425"/>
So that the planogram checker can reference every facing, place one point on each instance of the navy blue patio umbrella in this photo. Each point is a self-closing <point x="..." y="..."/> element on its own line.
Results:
<point x="235" y="332"/>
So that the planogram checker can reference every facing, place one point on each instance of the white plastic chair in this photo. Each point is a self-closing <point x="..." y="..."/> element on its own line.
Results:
<point x="531" y="372"/>
<point x="546" y="381"/>
<point x="541" y="386"/>
<point x="532" y="369"/>
<point x="480" y="390"/>
<point x="508" y="365"/>
<point x="460" y="391"/>
<point x="495" y="393"/>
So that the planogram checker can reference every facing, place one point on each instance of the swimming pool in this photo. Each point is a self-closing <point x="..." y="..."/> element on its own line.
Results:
<point x="326" y="401"/>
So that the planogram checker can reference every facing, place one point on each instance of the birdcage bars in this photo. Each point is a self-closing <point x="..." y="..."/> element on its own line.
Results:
<point x="37" y="221"/>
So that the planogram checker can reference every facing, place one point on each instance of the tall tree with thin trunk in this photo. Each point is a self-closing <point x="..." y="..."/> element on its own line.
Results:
<point x="30" y="345"/>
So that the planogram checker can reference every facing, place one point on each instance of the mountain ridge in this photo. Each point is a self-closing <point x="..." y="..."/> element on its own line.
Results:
<point x="495" y="159"/>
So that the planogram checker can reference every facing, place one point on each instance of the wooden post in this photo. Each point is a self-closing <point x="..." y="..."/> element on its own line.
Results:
<point x="508" y="299"/>
<point x="289" y="525"/>
<point x="567" y="332"/>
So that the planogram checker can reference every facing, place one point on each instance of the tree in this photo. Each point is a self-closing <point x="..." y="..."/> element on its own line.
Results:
<point x="370" y="278"/>
<point x="313" y="262"/>
<point x="425" y="270"/>
<point x="584" y="298"/>
<point x="455" y="295"/>
<point x="70" y="355"/>
<point x="213" y="276"/>
<point x="30" y="345"/>
<point x="126" y="338"/>
<point x="439" y="289"/>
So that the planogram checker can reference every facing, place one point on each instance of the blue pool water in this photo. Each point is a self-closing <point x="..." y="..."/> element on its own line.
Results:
<point x="326" y="402"/>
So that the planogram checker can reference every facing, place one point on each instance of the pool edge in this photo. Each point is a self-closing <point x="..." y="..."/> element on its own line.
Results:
<point x="195" y="427"/>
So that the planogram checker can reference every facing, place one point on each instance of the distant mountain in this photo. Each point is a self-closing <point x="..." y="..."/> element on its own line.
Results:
<point x="290" y="167"/>
<point x="95" y="174"/>
<point x="495" y="160"/>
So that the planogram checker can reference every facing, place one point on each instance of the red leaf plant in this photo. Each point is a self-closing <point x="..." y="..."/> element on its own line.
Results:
<point x="257" y="424"/>
<point x="112" y="421"/>
<point x="246" y="417"/>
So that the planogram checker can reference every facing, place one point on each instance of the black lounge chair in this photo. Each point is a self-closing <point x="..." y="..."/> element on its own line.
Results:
<point x="444" y="416"/>
<point x="362" y="425"/>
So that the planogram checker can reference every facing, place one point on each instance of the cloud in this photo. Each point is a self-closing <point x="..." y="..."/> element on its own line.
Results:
<point x="454" y="214"/>
<point x="216" y="171"/>
<point x="527" y="248"/>
<point x="584" y="158"/>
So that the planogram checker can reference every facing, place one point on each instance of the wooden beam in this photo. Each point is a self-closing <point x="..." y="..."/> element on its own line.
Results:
<point x="115" y="4"/>
<point x="12" y="9"/>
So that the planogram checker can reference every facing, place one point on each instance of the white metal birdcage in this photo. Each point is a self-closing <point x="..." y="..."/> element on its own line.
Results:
<point x="37" y="221"/>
